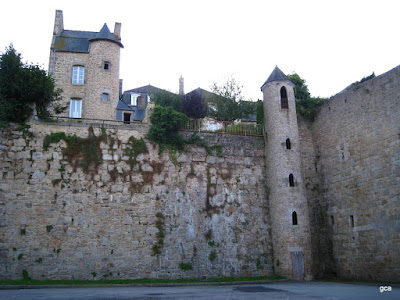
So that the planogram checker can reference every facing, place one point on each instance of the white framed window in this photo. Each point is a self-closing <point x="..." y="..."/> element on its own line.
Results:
<point x="134" y="99"/>
<point x="105" y="97"/>
<point x="78" y="74"/>
<point x="75" y="108"/>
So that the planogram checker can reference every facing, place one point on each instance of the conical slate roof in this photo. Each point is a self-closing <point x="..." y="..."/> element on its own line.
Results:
<point x="105" y="34"/>
<point x="276" y="75"/>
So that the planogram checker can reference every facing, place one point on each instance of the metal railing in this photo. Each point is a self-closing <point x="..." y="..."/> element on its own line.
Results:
<point x="202" y="125"/>
<point x="199" y="125"/>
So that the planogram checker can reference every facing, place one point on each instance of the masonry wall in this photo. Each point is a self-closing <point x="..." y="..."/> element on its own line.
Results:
<point x="323" y="264"/>
<point x="357" y="158"/>
<point x="97" y="80"/>
<point x="57" y="223"/>
<point x="60" y="66"/>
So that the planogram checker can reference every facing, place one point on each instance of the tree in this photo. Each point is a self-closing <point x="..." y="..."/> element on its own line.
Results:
<point x="228" y="103"/>
<point x="165" y="99"/>
<point x="194" y="105"/>
<point x="301" y="89"/>
<point x="24" y="86"/>
<point x="306" y="105"/>
<point x="165" y="125"/>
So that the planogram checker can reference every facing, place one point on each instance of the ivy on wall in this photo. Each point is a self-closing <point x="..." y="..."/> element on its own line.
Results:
<point x="80" y="152"/>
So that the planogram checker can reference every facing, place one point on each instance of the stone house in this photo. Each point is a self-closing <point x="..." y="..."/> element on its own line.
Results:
<point x="85" y="65"/>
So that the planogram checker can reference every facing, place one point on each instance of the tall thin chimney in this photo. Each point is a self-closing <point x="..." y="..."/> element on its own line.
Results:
<point x="117" y="31"/>
<point x="58" y="23"/>
<point x="181" y="87"/>
<point x="120" y="89"/>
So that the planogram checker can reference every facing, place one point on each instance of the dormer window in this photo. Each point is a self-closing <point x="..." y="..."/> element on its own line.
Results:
<point x="134" y="99"/>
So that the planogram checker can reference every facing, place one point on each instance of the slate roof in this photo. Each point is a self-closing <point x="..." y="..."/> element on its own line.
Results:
<point x="138" y="113"/>
<point x="123" y="106"/>
<point x="78" y="41"/>
<point x="204" y="93"/>
<point x="276" y="75"/>
<point x="147" y="89"/>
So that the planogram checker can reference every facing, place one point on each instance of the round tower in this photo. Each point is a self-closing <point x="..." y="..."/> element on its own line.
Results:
<point x="288" y="204"/>
<point x="103" y="74"/>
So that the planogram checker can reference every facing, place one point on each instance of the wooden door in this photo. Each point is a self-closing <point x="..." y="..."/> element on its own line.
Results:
<point x="298" y="266"/>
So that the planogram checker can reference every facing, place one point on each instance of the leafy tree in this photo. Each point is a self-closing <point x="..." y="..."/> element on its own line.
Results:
<point x="306" y="105"/>
<point x="165" y="99"/>
<point x="301" y="89"/>
<point x="228" y="103"/>
<point x="23" y="86"/>
<point x="194" y="105"/>
<point x="165" y="125"/>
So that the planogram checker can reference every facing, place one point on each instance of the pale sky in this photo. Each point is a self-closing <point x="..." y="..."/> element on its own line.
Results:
<point x="330" y="44"/>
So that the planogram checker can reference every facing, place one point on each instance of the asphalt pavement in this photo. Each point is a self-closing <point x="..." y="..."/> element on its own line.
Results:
<point x="276" y="290"/>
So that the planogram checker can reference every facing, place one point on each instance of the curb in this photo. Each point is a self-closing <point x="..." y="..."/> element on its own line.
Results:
<point x="62" y="286"/>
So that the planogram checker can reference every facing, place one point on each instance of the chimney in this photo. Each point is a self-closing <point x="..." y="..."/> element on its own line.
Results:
<point x="117" y="31"/>
<point x="181" y="89"/>
<point x="58" y="23"/>
<point x="120" y="88"/>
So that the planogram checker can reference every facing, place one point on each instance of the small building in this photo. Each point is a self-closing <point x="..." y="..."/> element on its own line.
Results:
<point x="85" y="65"/>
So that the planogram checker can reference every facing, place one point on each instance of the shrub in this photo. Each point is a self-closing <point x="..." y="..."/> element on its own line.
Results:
<point x="165" y="125"/>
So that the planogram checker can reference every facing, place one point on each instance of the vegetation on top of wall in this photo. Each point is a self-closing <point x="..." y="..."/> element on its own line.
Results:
<point x="80" y="152"/>
<point x="306" y="105"/>
<point x="166" y="123"/>
<point x="366" y="78"/>
<point x="164" y="130"/>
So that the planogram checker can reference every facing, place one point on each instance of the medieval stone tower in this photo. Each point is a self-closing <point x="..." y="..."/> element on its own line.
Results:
<point x="85" y="65"/>
<point x="287" y="201"/>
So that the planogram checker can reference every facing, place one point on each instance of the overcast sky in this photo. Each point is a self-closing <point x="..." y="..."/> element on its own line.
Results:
<point x="330" y="44"/>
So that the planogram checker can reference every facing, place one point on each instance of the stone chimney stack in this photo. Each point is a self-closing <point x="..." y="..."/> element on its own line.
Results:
<point x="58" y="23"/>
<point x="181" y="87"/>
<point x="120" y="89"/>
<point x="117" y="31"/>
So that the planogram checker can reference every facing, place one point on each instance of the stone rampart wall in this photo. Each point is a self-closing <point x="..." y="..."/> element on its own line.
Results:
<point x="357" y="157"/>
<point x="132" y="216"/>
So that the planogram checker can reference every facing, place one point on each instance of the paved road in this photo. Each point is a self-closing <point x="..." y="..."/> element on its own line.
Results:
<point x="282" y="290"/>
